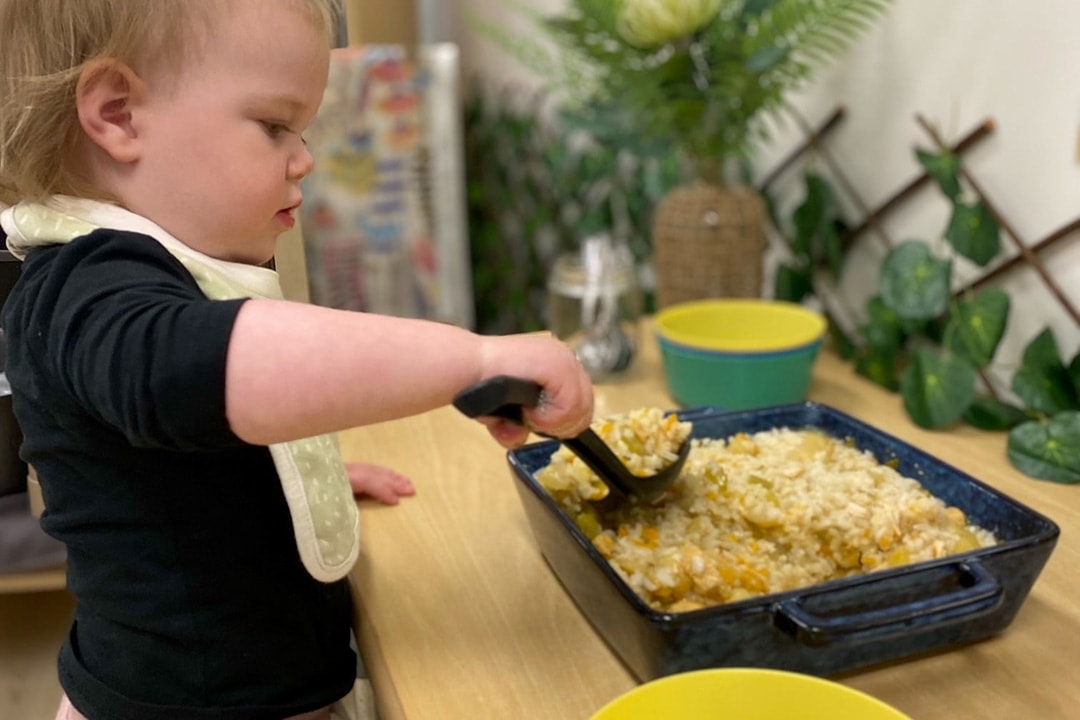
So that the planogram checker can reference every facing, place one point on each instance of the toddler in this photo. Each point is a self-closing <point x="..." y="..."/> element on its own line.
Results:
<point x="178" y="412"/>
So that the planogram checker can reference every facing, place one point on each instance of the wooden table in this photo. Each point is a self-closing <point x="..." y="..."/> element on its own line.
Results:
<point x="460" y="617"/>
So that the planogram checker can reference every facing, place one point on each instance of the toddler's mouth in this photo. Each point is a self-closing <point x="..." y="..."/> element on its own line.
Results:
<point x="287" y="216"/>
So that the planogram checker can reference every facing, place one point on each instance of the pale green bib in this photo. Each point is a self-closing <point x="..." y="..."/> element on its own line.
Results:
<point x="313" y="477"/>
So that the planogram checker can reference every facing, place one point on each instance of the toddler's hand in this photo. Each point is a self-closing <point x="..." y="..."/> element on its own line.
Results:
<point x="380" y="483"/>
<point x="566" y="405"/>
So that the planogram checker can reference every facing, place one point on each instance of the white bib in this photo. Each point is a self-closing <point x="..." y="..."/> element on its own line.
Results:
<point x="325" y="520"/>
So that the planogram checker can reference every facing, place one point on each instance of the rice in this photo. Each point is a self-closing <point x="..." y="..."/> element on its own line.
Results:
<point x="753" y="514"/>
<point x="644" y="439"/>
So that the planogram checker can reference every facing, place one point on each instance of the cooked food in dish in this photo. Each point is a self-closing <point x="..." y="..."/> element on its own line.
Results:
<point x="645" y="440"/>
<point x="753" y="514"/>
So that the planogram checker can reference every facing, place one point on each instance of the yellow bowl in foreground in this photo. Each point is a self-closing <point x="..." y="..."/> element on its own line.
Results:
<point x="740" y="325"/>
<point x="745" y="694"/>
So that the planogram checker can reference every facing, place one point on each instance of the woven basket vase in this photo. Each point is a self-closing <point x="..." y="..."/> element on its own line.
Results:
<point x="708" y="242"/>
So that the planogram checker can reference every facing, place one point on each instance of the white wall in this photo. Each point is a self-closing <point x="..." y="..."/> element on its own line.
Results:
<point x="957" y="62"/>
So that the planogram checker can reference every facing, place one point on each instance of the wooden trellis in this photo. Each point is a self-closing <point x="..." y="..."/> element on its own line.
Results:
<point x="1027" y="255"/>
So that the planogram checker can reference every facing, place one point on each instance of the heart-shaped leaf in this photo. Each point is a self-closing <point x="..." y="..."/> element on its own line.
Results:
<point x="937" y="389"/>
<point x="884" y="328"/>
<point x="879" y="366"/>
<point x="1048" y="450"/>
<point x="987" y="413"/>
<point x="974" y="232"/>
<point x="914" y="283"/>
<point x="977" y="324"/>
<point x="1042" y="381"/>
<point x="943" y="167"/>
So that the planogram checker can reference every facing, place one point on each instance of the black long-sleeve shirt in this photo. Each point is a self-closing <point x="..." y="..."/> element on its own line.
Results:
<point x="192" y="600"/>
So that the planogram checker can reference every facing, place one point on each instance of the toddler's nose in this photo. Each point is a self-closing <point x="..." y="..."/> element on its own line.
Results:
<point x="300" y="164"/>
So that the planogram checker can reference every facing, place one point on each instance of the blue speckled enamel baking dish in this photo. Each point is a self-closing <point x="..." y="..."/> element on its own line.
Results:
<point x="825" y="629"/>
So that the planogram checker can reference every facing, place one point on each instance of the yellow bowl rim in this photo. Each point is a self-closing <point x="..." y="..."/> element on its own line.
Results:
<point x="780" y="675"/>
<point x="814" y="331"/>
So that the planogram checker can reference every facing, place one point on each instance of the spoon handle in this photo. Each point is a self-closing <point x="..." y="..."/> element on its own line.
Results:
<point x="501" y="396"/>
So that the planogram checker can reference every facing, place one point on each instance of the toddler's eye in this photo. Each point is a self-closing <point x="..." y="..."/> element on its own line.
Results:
<point x="275" y="129"/>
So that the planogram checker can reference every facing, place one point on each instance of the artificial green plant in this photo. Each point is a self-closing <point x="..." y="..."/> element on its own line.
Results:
<point x="702" y="75"/>
<point x="930" y="345"/>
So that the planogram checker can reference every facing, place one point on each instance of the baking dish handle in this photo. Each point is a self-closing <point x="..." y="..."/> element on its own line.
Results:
<point x="979" y="593"/>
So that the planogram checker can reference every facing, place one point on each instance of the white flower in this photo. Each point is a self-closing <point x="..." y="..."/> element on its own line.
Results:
<point x="648" y="23"/>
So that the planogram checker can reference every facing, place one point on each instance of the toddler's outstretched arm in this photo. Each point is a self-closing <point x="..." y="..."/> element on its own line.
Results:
<point x="297" y="370"/>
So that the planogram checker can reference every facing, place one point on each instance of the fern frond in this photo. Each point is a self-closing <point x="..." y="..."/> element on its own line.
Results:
<point x="818" y="31"/>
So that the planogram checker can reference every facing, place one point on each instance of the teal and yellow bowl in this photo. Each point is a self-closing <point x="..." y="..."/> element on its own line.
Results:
<point x="744" y="693"/>
<point x="738" y="354"/>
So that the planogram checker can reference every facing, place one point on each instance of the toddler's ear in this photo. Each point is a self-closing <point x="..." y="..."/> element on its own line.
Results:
<point x="105" y="96"/>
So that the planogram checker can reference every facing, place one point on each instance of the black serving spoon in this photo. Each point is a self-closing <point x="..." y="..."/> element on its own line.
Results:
<point x="504" y="397"/>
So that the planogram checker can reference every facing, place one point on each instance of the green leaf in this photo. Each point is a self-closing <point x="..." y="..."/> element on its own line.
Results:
<point x="879" y="365"/>
<point x="913" y="328"/>
<point x="832" y="250"/>
<point x="974" y="233"/>
<point x="988" y="413"/>
<point x="977" y="324"/>
<point x="1048" y="450"/>
<point x="1043" y="382"/>
<point x="793" y="284"/>
<point x="932" y="329"/>
<point x="914" y="283"/>
<point x="766" y="58"/>
<point x="1074" y="372"/>
<point x="756" y="7"/>
<point x="604" y="12"/>
<point x="817" y="231"/>
<point x="937" y="389"/>
<point x="944" y="167"/>
<point x="842" y="345"/>
<point x="883" y="329"/>
<point x="811" y="217"/>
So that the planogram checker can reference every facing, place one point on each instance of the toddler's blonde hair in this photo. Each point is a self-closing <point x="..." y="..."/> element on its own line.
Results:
<point x="47" y="43"/>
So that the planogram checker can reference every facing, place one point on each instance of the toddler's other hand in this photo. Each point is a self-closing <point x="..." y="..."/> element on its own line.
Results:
<point x="378" y="482"/>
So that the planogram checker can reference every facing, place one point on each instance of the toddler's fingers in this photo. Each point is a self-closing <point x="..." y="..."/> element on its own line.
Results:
<point x="378" y="482"/>
<point x="565" y="410"/>
<point x="508" y="434"/>
<point x="566" y="403"/>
